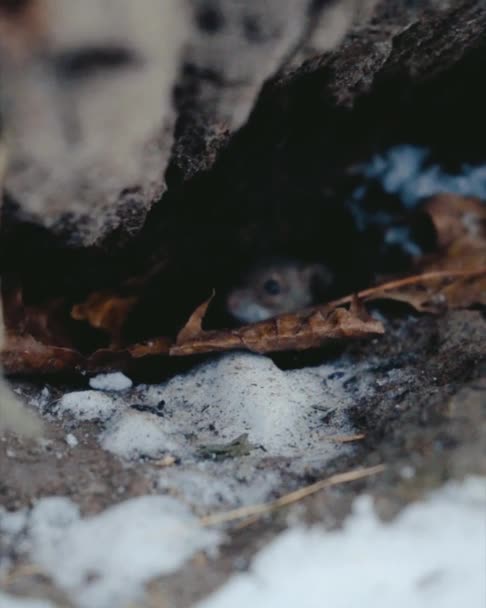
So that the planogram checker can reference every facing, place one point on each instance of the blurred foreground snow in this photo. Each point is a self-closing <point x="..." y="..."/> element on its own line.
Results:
<point x="433" y="555"/>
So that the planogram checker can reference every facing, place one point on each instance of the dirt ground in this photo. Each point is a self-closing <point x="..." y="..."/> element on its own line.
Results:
<point x="426" y="423"/>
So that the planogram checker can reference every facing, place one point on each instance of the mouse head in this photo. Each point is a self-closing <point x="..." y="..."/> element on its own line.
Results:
<point x="276" y="286"/>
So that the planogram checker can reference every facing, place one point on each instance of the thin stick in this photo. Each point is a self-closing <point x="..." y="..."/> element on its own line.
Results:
<point x="344" y="438"/>
<point x="21" y="571"/>
<point x="287" y="499"/>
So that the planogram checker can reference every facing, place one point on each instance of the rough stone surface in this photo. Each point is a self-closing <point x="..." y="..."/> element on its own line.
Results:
<point x="88" y="108"/>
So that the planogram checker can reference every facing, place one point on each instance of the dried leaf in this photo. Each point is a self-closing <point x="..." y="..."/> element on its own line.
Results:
<point x="26" y="355"/>
<point x="106" y="311"/>
<point x="156" y="346"/>
<point x="431" y="292"/>
<point x="457" y="218"/>
<point x="461" y="230"/>
<point x="310" y="329"/>
<point x="193" y="327"/>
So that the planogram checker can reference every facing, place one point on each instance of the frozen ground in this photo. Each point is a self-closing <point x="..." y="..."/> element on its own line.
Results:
<point x="106" y="510"/>
<point x="239" y="401"/>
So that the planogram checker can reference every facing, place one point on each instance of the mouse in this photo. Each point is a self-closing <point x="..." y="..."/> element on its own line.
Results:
<point x="276" y="286"/>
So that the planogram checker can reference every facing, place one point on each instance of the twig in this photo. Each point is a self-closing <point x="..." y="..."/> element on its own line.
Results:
<point x="344" y="438"/>
<point x="23" y="570"/>
<point x="287" y="499"/>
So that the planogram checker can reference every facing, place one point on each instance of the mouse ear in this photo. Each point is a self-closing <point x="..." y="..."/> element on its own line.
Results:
<point x="319" y="277"/>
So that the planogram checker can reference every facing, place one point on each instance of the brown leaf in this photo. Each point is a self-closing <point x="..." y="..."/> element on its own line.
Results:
<point x="193" y="327"/>
<point x="155" y="346"/>
<point x="43" y="322"/>
<point x="461" y="231"/>
<point x="456" y="218"/>
<point x="431" y="292"/>
<point x="26" y="355"/>
<point x="105" y="311"/>
<point x="310" y="329"/>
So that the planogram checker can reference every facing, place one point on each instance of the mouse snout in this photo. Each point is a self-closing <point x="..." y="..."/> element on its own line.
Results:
<point x="244" y="309"/>
<point x="234" y="302"/>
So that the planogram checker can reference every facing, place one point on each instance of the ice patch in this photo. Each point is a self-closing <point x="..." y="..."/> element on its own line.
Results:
<point x="115" y="381"/>
<point x="401" y="170"/>
<point x="432" y="554"/>
<point x="104" y="560"/>
<point x="87" y="405"/>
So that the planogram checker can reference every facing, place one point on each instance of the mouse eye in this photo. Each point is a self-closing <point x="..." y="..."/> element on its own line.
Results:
<point x="272" y="287"/>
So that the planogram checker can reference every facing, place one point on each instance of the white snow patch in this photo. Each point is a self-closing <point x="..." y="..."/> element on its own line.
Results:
<point x="401" y="170"/>
<point x="71" y="440"/>
<point x="10" y="601"/>
<point x="87" y="405"/>
<point x="210" y="485"/>
<point x="41" y="400"/>
<point x="134" y="434"/>
<point x="246" y="393"/>
<point x="115" y="381"/>
<point x="104" y="560"/>
<point x="236" y="393"/>
<point x="433" y="554"/>
<point x="285" y="414"/>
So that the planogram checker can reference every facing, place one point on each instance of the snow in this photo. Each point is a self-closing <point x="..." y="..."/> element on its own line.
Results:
<point x="212" y="485"/>
<point x="115" y="381"/>
<point x="433" y="554"/>
<point x="87" y="405"/>
<point x="104" y="560"/>
<point x="246" y="393"/>
<point x="233" y="394"/>
<point x="285" y="414"/>
<point x="402" y="170"/>
<point x="136" y="434"/>
<point x="71" y="440"/>
<point x="10" y="601"/>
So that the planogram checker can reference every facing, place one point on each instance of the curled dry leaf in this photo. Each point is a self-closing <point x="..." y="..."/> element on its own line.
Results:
<point x="457" y="218"/>
<point x="308" y="329"/>
<point x="105" y="311"/>
<point x="461" y="229"/>
<point x="431" y="292"/>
